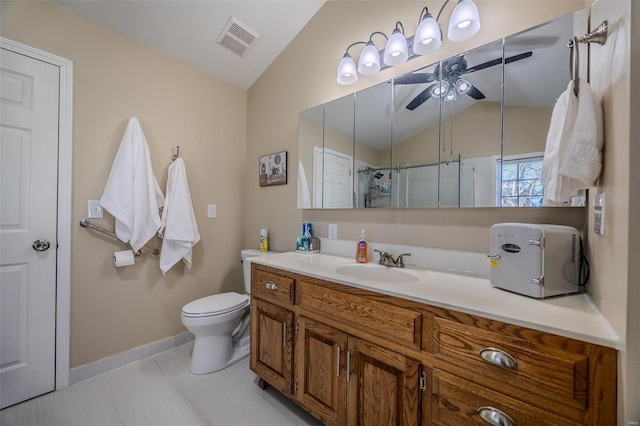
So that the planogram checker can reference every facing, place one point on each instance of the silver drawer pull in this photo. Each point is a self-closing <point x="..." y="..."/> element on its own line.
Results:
<point x="270" y="286"/>
<point x="498" y="357"/>
<point x="495" y="417"/>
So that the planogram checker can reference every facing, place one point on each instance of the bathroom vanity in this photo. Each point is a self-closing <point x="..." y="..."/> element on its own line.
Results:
<point x="426" y="348"/>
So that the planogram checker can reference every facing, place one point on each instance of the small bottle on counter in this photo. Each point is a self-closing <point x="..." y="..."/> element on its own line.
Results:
<point x="362" y="249"/>
<point x="264" y="240"/>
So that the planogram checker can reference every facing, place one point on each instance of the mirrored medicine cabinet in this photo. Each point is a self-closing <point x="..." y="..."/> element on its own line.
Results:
<point x="468" y="131"/>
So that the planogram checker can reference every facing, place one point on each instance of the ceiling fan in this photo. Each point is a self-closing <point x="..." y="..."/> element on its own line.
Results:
<point x="452" y="82"/>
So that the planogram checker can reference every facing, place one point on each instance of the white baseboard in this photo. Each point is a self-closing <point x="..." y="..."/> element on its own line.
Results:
<point x="87" y="371"/>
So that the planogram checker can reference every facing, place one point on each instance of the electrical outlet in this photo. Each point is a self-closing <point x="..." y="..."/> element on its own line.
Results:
<point x="598" y="214"/>
<point x="333" y="231"/>
<point x="211" y="211"/>
<point x="94" y="210"/>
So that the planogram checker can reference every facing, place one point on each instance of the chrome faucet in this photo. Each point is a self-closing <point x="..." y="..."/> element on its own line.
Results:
<point x="386" y="259"/>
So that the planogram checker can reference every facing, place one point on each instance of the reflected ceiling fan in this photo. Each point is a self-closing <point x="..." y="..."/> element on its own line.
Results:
<point x="452" y="82"/>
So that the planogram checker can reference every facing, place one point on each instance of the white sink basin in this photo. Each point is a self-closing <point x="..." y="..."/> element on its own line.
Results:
<point x="377" y="273"/>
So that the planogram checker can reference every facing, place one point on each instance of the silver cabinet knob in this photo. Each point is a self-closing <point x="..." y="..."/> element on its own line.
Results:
<point x="41" y="245"/>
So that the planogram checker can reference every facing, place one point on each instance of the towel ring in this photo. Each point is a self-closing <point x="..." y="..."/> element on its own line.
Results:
<point x="574" y="63"/>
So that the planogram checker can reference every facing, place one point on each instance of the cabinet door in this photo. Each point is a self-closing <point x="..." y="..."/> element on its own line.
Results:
<point x="271" y="344"/>
<point x="321" y="371"/>
<point x="383" y="386"/>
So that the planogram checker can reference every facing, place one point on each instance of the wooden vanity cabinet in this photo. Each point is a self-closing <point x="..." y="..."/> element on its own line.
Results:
<point x="356" y="357"/>
<point x="342" y="379"/>
<point x="272" y="328"/>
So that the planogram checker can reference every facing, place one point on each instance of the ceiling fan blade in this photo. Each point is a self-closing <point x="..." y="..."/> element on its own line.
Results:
<point x="514" y="58"/>
<point x="421" y="98"/>
<point x="498" y="61"/>
<point x="416" y="78"/>
<point x="475" y="93"/>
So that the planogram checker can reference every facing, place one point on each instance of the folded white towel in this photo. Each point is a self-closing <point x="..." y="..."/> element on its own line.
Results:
<point x="560" y="130"/>
<point x="179" y="228"/>
<point x="582" y="161"/>
<point x="304" y="200"/>
<point x="132" y="194"/>
<point x="572" y="157"/>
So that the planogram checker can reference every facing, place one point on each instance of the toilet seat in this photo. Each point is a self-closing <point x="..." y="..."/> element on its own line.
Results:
<point x="217" y="304"/>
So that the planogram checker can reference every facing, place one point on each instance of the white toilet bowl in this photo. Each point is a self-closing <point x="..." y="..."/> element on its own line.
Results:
<point x="213" y="320"/>
<point x="220" y="324"/>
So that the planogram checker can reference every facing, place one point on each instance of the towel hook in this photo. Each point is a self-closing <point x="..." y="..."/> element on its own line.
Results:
<point x="177" y="154"/>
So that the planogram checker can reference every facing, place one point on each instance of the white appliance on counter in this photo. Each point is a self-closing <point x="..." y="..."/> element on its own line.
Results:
<point x="535" y="260"/>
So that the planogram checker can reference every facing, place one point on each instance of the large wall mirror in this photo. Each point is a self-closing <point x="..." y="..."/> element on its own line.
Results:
<point x="468" y="131"/>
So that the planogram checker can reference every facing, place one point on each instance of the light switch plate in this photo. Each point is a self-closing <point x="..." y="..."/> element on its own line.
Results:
<point x="598" y="214"/>
<point x="333" y="231"/>
<point x="94" y="210"/>
<point x="211" y="211"/>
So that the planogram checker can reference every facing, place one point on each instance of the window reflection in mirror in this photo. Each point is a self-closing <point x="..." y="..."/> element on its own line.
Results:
<point x="337" y="183"/>
<point x="373" y="179"/>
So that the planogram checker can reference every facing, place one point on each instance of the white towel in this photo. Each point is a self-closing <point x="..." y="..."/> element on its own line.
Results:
<point x="572" y="157"/>
<point x="132" y="194"/>
<point x="560" y="130"/>
<point x="304" y="201"/>
<point x="582" y="161"/>
<point x="179" y="228"/>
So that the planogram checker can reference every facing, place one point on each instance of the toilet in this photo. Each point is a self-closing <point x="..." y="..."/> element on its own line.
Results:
<point x="220" y="324"/>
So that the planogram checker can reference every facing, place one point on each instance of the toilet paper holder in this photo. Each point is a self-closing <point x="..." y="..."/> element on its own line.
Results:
<point x="86" y="224"/>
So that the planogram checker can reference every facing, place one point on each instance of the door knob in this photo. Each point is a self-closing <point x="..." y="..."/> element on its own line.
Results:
<point x="41" y="245"/>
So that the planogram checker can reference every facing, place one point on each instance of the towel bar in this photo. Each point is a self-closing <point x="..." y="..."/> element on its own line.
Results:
<point x="86" y="224"/>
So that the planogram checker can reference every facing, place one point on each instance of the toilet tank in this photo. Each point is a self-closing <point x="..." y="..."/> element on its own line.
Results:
<point x="246" y="266"/>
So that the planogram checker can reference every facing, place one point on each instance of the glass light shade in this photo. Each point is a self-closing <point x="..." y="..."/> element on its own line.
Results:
<point x="440" y="90"/>
<point x="396" y="51"/>
<point x="347" y="73"/>
<point x="451" y="95"/>
<point x="464" y="22"/>
<point x="428" y="36"/>
<point x="462" y="86"/>
<point x="369" y="63"/>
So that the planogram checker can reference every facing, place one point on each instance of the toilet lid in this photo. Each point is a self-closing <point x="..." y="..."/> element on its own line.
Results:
<point x="215" y="305"/>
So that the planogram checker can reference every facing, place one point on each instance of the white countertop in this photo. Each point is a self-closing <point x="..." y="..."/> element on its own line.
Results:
<point x="573" y="316"/>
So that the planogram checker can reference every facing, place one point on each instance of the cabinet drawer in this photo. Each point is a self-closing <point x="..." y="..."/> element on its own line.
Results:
<point x="511" y="366"/>
<point x="455" y="401"/>
<point x="382" y="319"/>
<point x="268" y="286"/>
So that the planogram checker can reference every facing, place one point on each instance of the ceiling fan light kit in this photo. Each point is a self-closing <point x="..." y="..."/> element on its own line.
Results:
<point x="464" y="24"/>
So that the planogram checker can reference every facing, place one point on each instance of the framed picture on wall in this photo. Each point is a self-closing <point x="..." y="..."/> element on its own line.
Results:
<point x="273" y="169"/>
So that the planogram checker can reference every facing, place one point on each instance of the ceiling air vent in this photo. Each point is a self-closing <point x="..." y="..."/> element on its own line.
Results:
<point x="237" y="37"/>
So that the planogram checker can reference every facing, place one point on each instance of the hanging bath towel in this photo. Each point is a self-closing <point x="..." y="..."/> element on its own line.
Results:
<point x="179" y="228"/>
<point x="132" y="194"/>
<point x="582" y="161"/>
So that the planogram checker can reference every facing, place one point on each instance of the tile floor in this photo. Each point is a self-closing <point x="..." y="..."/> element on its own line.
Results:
<point x="161" y="391"/>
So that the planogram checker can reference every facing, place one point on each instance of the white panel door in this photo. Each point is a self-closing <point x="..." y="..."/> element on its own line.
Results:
<point x="28" y="204"/>
<point x="338" y="180"/>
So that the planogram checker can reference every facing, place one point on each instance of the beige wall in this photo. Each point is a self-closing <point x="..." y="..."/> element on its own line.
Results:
<point x="304" y="76"/>
<point x="115" y="78"/>
<point x="615" y="286"/>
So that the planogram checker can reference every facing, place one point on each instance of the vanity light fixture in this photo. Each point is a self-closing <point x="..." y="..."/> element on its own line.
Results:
<point x="464" y="24"/>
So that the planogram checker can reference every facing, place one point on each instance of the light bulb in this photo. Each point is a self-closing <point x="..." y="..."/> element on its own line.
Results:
<point x="463" y="86"/>
<point x="396" y="51"/>
<point x="464" y="22"/>
<point x="428" y="36"/>
<point x="369" y="63"/>
<point x="347" y="70"/>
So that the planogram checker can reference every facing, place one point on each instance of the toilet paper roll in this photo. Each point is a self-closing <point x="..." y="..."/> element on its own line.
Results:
<point x="123" y="258"/>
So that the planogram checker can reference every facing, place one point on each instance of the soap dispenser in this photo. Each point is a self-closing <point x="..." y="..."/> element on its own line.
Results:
<point x="362" y="251"/>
